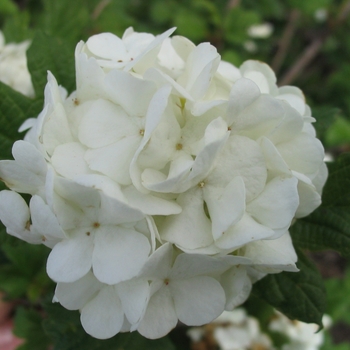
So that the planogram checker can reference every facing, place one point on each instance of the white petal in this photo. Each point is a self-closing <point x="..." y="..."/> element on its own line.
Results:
<point x="295" y="155"/>
<point x="29" y="157"/>
<point x="14" y="213"/>
<point x="73" y="296"/>
<point x="237" y="286"/>
<point x="119" y="254"/>
<point x="191" y="228"/>
<point x="240" y="157"/>
<point x="245" y="231"/>
<point x="160" y="316"/>
<point x="68" y="160"/>
<point x="131" y="93"/>
<point x="150" y="204"/>
<point x="56" y="129"/>
<point x="149" y="54"/>
<point x="159" y="263"/>
<point x="274" y="255"/>
<point x="309" y="198"/>
<point x="258" y="118"/>
<point x="115" y="212"/>
<point x="19" y="178"/>
<point x="191" y="265"/>
<point x="107" y="45"/>
<point x="134" y="296"/>
<point x="261" y="74"/>
<point x="70" y="259"/>
<point x="293" y="96"/>
<point x="289" y="127"/>
<point x="44" y="222"/>
<point x="103" y="316"/>
<point x="105" y="123"/>
<point x="275" y="207"/>
<point x="226" y="206"/>
<point x="198" y="300"/>
<point x="243" y="93"/>
<point x="274" y="161"/>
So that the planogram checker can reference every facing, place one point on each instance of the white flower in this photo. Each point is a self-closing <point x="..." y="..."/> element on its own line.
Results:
<point x="184" y="289"/>
<point x="165" y="185"/>
<point x="13" y="66"/>
<point x="235" y="330"/>
<point x="260" y="31"/>
<point x="302" y="336"/>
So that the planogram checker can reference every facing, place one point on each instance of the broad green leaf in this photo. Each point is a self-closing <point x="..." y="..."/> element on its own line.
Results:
<point x="299" y="295"/>
<point x="66" y="19"/>
<point x="328" y="227"/>
<point x="16" y="27"/>
<point x="8" y="7"/>
<point x="27" y="325"/>
<point x="52" y="54"/>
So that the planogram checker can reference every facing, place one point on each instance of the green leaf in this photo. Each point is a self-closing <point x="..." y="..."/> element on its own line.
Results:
<point x="299" y="295"/>
<point x="338" y="133"/>
<point x="325" y="116"/>
<point x="8" y="7"/>
<point x="237" y="22"/>
<point x="66" y="19"/>
<point x="53" y="54"/>
<point x="27" y="325"/>
<point x="328" y="227"/>
<point x="64" y="328"/>
<point x="16" y="27"/>
<point x="15" y="108"/>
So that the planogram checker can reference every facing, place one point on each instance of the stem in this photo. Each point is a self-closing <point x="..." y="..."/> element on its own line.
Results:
<point x="285" y="41"/>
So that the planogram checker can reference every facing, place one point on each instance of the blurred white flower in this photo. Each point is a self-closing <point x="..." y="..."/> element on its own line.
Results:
<point x="321" y="15"/>
<point x="13" y="66"/>
<point x="302" y="336"/>
<point x="260" y="31"/>
<point x="167" y="172"/>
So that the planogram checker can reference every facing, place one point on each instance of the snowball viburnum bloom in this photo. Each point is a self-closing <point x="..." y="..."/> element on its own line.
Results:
<point x="168" y="177"/>
<point x="13" y="66"/>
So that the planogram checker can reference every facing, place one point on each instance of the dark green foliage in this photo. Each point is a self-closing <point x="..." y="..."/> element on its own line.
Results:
<point x="298" y="295"/>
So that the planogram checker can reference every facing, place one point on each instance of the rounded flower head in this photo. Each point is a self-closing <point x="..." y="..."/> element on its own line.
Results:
<point x="165" y="184"/>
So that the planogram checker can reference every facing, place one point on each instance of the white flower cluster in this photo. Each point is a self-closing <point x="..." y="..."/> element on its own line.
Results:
<point x="165" y="184"/>
<point x="13" y="66"/>
<point x="232" y="330"/>
<point x="301" y="336"/>
<point x="236" y="330"/>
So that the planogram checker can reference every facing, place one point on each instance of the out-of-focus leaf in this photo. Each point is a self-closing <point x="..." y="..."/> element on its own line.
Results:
<point x="53" y="54"/>
<point x="338" y="133"/>
<point x="190" y="24"/>
<point x="237" y="22"/>
<point x="16" y="27"/>
<point x="27" y="325"/>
